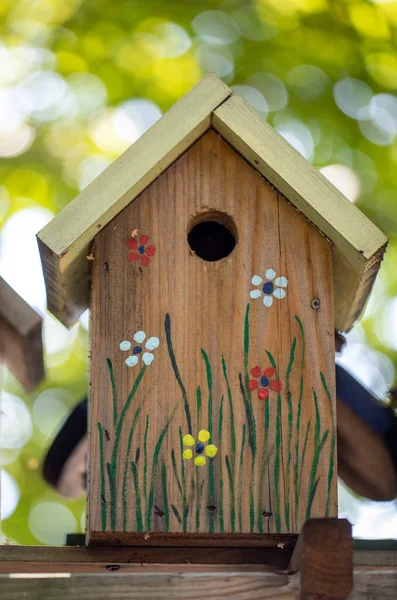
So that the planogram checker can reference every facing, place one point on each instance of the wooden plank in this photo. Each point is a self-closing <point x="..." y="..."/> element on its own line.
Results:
<point x="359" y="244"/>
<point x="324" y="556"/>
<point x="368" y="584"/>
<point x="17" y="559"/>
<point x="64" y="242"/>
<point x="173" y="586"/>
<point x="287" y="468"/>
<point x="21" y="347"/>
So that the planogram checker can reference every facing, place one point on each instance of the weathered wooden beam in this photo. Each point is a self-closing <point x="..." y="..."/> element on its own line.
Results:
<point x="275" y="553"/>
<point x="324" y="556"/>
<point x="21" y="347"/>
<point x="368" y="583"/>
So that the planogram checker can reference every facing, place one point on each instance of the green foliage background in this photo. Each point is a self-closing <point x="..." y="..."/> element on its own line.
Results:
<point x="124" y="44"/>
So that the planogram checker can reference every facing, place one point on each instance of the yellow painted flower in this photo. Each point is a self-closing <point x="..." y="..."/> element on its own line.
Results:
<point x="200" y="448"/>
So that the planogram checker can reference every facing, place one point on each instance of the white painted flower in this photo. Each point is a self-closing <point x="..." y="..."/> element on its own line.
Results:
<point x="268" y="288"/>
<point x="137" y="350"/>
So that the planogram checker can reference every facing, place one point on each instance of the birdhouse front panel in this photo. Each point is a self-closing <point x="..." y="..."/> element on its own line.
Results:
<point x="212" y="402"/>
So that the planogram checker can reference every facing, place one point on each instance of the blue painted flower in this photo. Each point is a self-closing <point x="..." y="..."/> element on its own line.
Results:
<point x="269" y="288"/>
<point x="137" y="349"/>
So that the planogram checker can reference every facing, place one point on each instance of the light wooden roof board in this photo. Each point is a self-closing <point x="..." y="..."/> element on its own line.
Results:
<point x="358" y="244"/>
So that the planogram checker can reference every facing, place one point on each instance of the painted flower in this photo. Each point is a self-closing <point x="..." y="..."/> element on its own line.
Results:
<point x="140" y="250"/>
<point x="137" y="349"/>
<point x="200" y="448"/>
<point x="262" y="383"/>
<point x="269" y="288"/>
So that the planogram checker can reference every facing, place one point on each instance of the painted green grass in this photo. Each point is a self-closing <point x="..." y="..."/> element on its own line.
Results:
<point x="289" y="437"/>
<point x="297" y="472"/>
<point x="333" y="442"/>
<point x="103" y="480"/>
<point x="319" y="443"/>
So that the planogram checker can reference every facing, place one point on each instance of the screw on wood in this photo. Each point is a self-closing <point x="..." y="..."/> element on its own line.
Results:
<point x="112" y="567"/>
<point x="267" y="514"/>
<point x="211" y="508"/>
<point x="316" y="303"/>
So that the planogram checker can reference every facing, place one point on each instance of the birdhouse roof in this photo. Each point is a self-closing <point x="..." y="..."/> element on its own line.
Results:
<point x="64" y="243"/>
<point x="21" y="347"/>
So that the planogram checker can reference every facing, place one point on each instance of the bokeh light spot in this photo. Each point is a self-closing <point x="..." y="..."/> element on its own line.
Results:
<point x="50" y="522"/>
<point x="9" y="496"/>
<point x="16" y="426"/>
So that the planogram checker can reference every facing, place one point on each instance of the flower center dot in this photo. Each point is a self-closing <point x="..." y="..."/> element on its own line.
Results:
<point x="199" y="448"/>
<point x="136" y="350"/>
<point x="141" y="249"/>
<point x="268" y="287"/>
<point x="264" y="381"/>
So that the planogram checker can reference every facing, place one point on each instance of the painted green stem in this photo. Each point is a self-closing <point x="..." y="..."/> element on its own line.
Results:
<point x="114" y="460"/>
<point x="297" y="473"/>
<point x="155" y="460"/>
<point x="289" y="436"/>
<point x="112" y="487"/>
<point x="264" y="462"/>
<point x="211" y="479"/>
<point x="138" y="509"/>
<point x="277" y="461"/>
<point x="127" y="462"/>
<point x="114" y="391"/>
<point x="241" y="480"/>
<point x="232" y="503"/>
<point x="171" y="353"/>
<point x="303" y="456"/>
<point x="220" y="503"/>
<point x="185" y="508"/>
<point x="103" y="480"/>
<point x="231" y="416"/>
<point x="333" y="442"/>
<point x="318" y="446"/>
<point x="165" y="496"/>
<point x="145" y="460"/>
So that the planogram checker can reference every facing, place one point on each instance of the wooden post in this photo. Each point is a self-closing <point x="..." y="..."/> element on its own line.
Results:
<point x="21" y="347"/>
<point x="324" y="556"/>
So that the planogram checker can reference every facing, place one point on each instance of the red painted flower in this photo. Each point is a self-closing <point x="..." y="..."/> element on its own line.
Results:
<point x="141" y="251"/>
<point x="262" y="383"/>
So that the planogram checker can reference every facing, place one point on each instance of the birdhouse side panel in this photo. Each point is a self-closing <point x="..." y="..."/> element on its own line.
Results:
<point x="212" y="405"/>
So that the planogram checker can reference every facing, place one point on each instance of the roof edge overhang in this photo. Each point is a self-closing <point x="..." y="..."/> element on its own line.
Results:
<point x="358" y="244"/>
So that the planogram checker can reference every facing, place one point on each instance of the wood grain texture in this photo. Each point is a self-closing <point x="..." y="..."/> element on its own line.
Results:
<point x="21" y="347"/>
<point x="359" y="244"/>
<point x="201" y="370"/>
<point x="22" y="559"/>
<point x="64" y="242"/>
<point x="324" y="556"/>
<point x="379" y="584"/>
<point x="174" y="586"/>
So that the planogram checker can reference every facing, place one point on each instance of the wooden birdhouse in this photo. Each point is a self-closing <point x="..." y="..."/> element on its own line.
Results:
<point x="21" y="346"/>
<point x="217" y="264"/>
